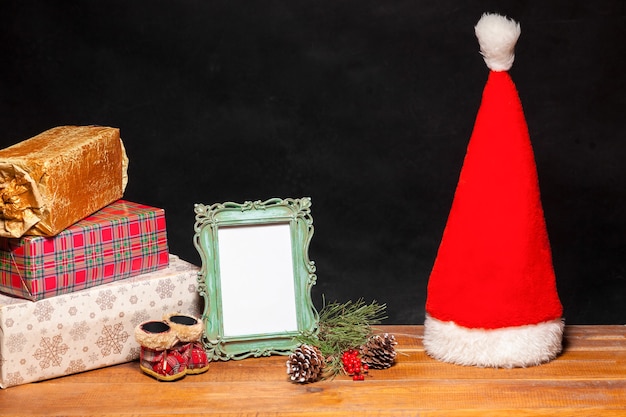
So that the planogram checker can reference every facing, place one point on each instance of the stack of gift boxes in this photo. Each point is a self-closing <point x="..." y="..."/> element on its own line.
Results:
<point x="71" y="294"/>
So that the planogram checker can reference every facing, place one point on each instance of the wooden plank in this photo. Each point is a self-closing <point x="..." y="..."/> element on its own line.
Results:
<point x="589" y="378"/>
<point x="339" y="397"/>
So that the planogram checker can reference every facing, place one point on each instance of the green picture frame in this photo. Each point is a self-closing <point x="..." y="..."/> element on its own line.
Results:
<point x="256" y="276"/>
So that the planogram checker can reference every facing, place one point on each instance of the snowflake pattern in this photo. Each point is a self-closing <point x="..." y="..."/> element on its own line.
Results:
<point x="75" y="366"/>
<point x="79" y="330"/>
<point x="165" y="289"/>
<point x="51" y="351"/>
<point x="139" y="317"/>
<point x="133" y="354"/>
<point x="14" y="378"/>
<point x="43" y="311"/>
<point x="106" y="299"/>
<point x="112" y="339"/>
<point x="16" y="342"/>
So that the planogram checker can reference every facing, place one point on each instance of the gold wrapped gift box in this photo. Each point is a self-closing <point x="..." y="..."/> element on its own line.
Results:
<point x="54" y="179"/>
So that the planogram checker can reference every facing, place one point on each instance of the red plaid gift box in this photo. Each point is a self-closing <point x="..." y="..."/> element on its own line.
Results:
<point x="121" y="240"/>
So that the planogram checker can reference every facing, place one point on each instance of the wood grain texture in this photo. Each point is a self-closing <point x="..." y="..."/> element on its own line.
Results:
<point x="588" y="379"/>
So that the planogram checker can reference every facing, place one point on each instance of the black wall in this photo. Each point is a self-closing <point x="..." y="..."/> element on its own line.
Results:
<point x="365" y="106"/>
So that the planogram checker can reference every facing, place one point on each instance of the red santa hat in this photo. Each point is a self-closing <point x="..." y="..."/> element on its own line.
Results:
<point x="492" y="298"/>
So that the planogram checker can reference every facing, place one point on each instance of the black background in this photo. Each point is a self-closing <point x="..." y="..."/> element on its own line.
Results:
<point x="364" y="106"/>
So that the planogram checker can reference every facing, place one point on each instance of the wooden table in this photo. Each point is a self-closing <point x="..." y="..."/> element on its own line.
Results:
<point x="588" y="379"/>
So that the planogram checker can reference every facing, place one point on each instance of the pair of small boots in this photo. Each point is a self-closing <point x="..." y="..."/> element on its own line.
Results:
<point x="171" y="348"/>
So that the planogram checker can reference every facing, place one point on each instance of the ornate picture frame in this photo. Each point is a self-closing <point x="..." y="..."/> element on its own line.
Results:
<point x="256" y="276"/>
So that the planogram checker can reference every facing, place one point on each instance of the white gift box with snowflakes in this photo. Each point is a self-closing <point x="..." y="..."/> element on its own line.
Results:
<point x="92" y="328"/>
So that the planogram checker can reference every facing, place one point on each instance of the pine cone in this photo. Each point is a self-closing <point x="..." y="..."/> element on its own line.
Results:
<point x="379" y="351"/>
<point x="305" y="364"/>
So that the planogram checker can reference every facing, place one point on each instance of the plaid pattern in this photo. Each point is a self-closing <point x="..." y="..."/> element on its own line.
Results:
<point x="162" y="364"/>
<point x="195" y="355"/>
<point x="121" y="240"/>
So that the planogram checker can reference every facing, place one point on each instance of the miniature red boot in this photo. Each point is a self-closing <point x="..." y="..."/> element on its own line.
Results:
<point x="189" y="330"/>
<point x="157" y="358"/>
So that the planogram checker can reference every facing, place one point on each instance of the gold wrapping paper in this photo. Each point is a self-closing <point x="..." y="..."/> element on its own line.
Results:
<point x="54" y="179"/>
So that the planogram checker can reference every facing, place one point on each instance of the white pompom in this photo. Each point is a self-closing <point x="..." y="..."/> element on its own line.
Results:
<point x="497" y="36"/>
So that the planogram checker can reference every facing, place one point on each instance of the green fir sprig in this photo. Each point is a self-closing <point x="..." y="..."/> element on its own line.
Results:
<point x="343" y="326"/>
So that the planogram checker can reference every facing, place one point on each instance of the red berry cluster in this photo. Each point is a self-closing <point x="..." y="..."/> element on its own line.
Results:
<point x="353" y="365"/>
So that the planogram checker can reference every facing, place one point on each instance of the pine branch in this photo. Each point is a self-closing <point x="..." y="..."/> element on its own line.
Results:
<point x="343" y="326"/>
